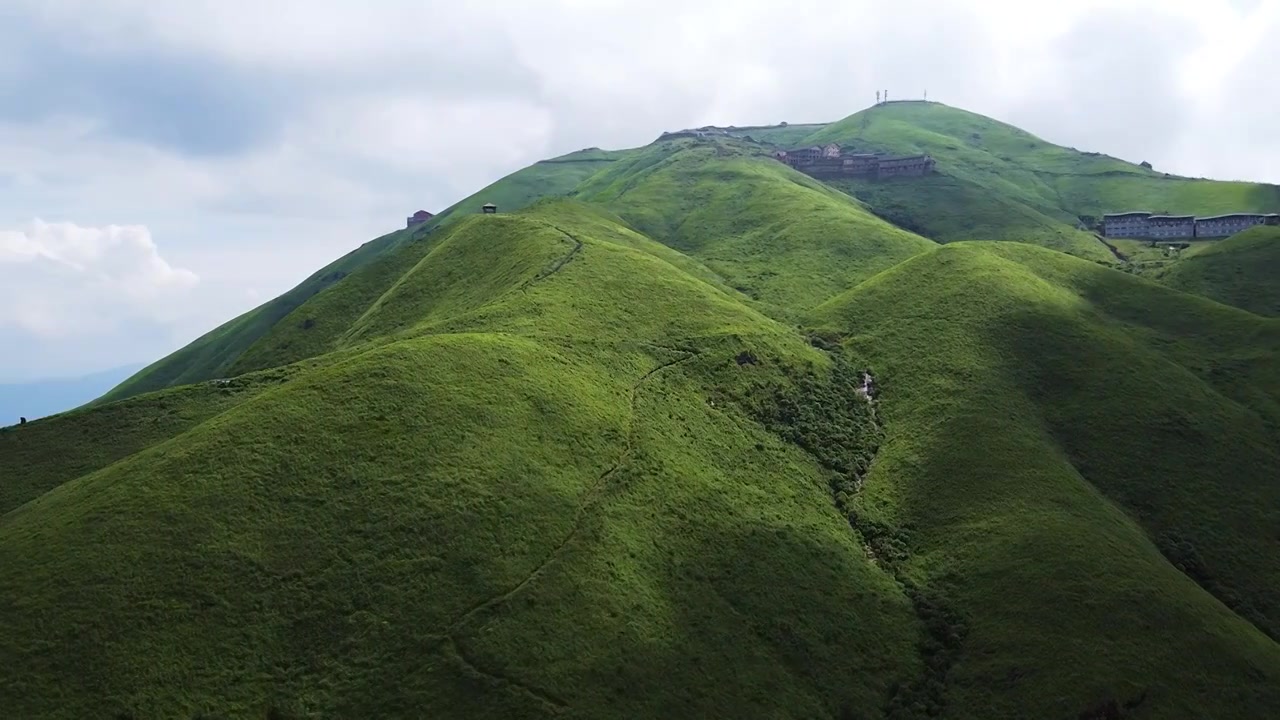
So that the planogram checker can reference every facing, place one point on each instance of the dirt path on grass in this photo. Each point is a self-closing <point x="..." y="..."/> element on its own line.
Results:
<point x="488" y="606"/>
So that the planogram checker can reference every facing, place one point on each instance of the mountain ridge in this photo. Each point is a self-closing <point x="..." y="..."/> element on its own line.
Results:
<point x="970" y="197"/>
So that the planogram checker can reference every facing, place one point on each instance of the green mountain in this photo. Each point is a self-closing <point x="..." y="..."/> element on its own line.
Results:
<point x="697" y="436"/>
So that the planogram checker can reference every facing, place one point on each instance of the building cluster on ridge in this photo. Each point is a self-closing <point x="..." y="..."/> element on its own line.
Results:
<point x="832" y="161"/>
<point x="1148" y="226"/>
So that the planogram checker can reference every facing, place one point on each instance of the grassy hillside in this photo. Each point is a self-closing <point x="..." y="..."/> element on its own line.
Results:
<point x="218" y="353"/>
<point x="213" y="354"/>
<point x="541" y="466"/>
<point x="1243" y="271"/>
<point x="46" y="453"/>
<point x="1081" y="464"/>
<point x="990" y="168"/>
<point x="448" y="273"/>
<point x="947" y="209"/>
<point x="535" y="501"/>
<point x="777" y="235"/>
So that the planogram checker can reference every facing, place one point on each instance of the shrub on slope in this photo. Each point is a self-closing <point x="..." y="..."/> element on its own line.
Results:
<point x="1040" y="454"/>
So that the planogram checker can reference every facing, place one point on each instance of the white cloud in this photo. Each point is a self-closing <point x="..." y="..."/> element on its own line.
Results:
<point x="461" y="142"/>
<point x="58" y="280"/>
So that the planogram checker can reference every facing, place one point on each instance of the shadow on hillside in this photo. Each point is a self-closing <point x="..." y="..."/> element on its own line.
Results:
<point x="991" y="420"/>
<point x="1168" y="437"/>
<point x="743" y="623"/>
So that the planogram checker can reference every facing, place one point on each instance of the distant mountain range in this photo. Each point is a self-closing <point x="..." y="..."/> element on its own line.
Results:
<point x="41" y="398"/>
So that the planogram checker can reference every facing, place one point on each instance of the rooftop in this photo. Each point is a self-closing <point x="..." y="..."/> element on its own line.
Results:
<point x="1232" y="215"/>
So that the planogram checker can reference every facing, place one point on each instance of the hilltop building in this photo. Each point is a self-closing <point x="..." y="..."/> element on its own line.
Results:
<point x="1146" y="226"/>
<point x="418" y="218"/>
<point x="832" y="161"/>
<point x="489" y="209"/>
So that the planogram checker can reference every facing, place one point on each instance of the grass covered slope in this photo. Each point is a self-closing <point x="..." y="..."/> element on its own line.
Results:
<point x="219" y="352"/>
<point x="1081" y="474"/>
<point x="949" y="209"/>
<point x="45" y="453"/>
<point x="534" y="501"/>
<point x="214" y="354"/>
<point x="461" y="268"/>
<point x="778" y="236"/>
<point x="1243" y="271"/>
<point x="990" y="167"/>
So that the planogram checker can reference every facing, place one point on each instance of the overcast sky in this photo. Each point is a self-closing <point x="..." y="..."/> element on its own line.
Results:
<point x="165" y="166"/>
